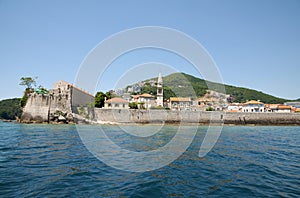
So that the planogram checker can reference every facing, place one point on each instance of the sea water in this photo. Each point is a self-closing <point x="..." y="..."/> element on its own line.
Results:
<point x="247" y="161"/>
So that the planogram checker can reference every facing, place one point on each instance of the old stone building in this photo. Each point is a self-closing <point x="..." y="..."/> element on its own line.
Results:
<point x="57" y="106"/>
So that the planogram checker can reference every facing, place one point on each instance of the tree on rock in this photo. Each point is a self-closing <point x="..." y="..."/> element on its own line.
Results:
<point x="28" y="82"/>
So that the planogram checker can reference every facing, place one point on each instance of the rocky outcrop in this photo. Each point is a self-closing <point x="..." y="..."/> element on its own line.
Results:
<point x="61" y="117"/>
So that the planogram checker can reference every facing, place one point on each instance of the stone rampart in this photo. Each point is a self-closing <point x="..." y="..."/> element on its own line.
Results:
<point x="36" y="108"/>
<point x="168" y="116"/>
<point x="57" y="106"/>
<point x="44" y="107"/>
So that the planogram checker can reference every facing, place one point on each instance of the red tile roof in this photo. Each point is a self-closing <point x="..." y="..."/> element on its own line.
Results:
<point x="174" y="99"/>
<point x="253" y="102"/>
<point x="284" y="107"/>
<point x="116" y="100"/>
<point x="145" y="95"/>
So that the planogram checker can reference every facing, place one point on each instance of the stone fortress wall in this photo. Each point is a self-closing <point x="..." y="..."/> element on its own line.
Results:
<point x="58" y="105"/>
<point x="168" y="116"/>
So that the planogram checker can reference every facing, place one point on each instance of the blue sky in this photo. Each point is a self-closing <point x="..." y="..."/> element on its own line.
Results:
<point x="255" y="44"/>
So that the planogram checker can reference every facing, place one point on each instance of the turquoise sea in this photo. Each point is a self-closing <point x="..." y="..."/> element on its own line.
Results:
<point x="247" y="161"/>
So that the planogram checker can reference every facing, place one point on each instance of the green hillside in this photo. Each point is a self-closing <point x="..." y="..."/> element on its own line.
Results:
<point x="184" y="85"/>
<point x="10" y="108"/>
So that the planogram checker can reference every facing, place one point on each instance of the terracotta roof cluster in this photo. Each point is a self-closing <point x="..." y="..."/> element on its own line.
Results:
<point x="277" y="106"/>
<point x="175" y="99"/>
<point x="144" y="95"/>
<point x="116" y="100"/>
<point x="253" y="102"/>
<point x="284" y="107"/>
<point x="297" y="110"/>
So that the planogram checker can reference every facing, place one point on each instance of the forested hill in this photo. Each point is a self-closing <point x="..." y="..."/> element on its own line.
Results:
<point x="10" y="108"/>
<point x="182" y="85"/>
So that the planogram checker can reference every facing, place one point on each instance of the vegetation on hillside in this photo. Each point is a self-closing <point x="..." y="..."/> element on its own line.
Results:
<point x="184" y="85"/>
<point x="10" y="108"/>
<point x="147" y="88"/>
<point x="240" y="94"/>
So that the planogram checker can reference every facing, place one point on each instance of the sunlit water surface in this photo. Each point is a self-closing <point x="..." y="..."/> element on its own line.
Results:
<point x="51" y="161"/>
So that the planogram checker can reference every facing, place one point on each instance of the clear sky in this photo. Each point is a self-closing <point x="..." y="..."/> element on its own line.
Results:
<point x="255" y="43"/>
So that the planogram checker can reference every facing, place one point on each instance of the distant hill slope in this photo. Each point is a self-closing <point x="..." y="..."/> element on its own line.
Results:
<point x="182" y="85"/>
<point x="10" y="108"/>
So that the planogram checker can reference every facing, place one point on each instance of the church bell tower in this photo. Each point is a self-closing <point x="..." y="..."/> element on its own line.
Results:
<point x="160" y="92"/>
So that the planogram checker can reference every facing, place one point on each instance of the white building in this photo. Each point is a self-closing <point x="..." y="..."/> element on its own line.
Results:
<point x="145" y="101"/>
<point x="278" y="108"/>
<point x="253" y="106"/>
<point x="235" y="107"/>
<point x="180" y="103"/>
<point x="284" y="109"/>
<point x="116" y="103"/>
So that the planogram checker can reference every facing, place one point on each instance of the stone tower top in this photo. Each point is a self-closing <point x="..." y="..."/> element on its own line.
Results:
<point x="160" y="91"/>
<point x="159" y="80"/>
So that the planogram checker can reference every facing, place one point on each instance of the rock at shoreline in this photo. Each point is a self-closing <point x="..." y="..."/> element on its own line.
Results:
<point x="61" y="118"/>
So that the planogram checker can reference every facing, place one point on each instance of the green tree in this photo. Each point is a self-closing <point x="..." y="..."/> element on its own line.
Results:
<point x="82" y="112"/>
<point x="28" y="82"/>
<point x="147" y="88"/>
<point x="210" y="109"/>
<point x="24" y="99"/>
<point x="168" y="92"/>
<point x="110" y="94"/>
<point x="99" y="99"/>
<point x="133" y="105"/>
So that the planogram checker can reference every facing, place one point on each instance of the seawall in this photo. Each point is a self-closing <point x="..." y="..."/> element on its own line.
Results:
<point x="197" y="117"/>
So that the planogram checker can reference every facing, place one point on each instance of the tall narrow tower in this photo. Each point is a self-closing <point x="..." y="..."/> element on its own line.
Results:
<point x="160" y="92"/>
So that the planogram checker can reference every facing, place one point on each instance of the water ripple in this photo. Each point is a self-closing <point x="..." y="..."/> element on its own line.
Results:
<point x="51" y="161"/>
